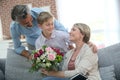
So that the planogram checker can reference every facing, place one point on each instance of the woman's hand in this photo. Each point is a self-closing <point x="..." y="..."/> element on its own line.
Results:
<point x="53" y="73"/>
<point x="44" y="71"/>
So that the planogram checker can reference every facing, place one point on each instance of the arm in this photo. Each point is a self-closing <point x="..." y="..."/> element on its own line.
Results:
<point x="15" y="34"/>
<point x="53" y="73"/>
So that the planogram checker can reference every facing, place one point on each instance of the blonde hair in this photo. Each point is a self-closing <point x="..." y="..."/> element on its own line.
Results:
<point x="85" y="30"/>
<point x="43" y="17"/>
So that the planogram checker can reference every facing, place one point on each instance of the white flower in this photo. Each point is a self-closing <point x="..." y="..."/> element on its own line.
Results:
<point x="43" y="56"/>
<point x="38" y="60"/>
<point x="48" y="64"/>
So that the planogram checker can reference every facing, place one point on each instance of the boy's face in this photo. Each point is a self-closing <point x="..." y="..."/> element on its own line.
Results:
<point x="47" y="27"/>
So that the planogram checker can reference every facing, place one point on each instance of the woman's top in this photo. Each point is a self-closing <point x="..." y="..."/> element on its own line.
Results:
<point x="86" y="63"/>
<point x="71" y="64"/>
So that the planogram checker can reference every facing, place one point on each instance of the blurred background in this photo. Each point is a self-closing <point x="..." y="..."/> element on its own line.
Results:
<point x="103" y="17"/>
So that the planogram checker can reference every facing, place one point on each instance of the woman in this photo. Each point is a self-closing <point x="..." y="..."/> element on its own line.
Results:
<point x="78" y="60"/>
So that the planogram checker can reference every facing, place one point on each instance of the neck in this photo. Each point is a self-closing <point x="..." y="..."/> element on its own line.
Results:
<point x="46" y="35"/>
<point x="79" y="45"/>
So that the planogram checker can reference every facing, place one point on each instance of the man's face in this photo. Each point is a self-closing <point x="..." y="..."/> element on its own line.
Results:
<point x="27" y="22"/>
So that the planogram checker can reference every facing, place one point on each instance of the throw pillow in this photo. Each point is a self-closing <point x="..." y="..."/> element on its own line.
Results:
<point x="107" y="73"/>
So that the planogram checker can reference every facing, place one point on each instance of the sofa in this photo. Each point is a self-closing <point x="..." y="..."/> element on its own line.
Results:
<point x="109" y="62"/>
<point x="17" y="67"/>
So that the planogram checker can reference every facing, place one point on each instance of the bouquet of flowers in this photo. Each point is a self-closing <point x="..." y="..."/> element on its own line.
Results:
<point x="46" y="57"/>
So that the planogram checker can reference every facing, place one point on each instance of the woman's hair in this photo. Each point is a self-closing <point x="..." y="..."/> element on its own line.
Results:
<point x="85" y="30"/>
<point x="19" y="12"/>
<point x="43" y="17"/>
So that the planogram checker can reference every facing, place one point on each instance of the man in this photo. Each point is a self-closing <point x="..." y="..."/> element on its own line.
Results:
<point x="25" y="23"/>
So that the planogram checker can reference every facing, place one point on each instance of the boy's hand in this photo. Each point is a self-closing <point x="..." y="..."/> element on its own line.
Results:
<point x="93" y="47"/>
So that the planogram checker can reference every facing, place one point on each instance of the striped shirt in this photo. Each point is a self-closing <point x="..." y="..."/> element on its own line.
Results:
<point x="59" y="39"/>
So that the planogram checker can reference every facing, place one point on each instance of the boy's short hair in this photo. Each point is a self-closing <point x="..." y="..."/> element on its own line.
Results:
<point x="43" y="17"/>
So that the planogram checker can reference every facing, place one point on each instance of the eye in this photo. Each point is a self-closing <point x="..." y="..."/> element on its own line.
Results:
<point x="47" y="24"/>
<point x="73" y="29"/>
<point x="51" y="23"/>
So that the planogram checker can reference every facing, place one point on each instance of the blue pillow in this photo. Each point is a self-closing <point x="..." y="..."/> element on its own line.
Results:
<point x="107" y="73"/>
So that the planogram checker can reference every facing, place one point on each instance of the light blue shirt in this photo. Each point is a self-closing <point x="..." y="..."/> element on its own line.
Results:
<point x="32" y="33"/>
<point x="58" y="39"/>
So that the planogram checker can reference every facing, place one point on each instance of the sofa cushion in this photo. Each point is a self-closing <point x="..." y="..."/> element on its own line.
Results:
<point x="107" y="73"/>
<point x="17" y="68"/>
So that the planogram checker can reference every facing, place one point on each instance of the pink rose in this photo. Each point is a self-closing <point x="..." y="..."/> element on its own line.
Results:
<point x="48" y="49"/>
<point x="51" y="57"/>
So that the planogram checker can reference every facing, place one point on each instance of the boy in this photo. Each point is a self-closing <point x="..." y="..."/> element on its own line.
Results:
<point x="51" y="37"/>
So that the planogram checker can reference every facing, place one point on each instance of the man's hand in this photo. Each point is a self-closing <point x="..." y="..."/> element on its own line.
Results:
<point x="30" y="57"/>
<point x="26" y="54"/>
<point x="93" y="47"/>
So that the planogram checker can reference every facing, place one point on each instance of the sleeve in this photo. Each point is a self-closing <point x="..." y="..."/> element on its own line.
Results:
<point x="16" y="38"/>
<point x="85" y="65"/>
<point x="59" y="26"/>
<point x="36" y="11"/>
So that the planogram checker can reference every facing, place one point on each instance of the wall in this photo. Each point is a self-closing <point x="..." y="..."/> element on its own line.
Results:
<point x="0" y="30"/>
<point x="6" y="6"/>
<point x="102" y="16"/>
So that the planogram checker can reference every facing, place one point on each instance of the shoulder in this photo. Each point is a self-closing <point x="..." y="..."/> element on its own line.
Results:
<point x="40" y="38"/>
<point x="14" y="25"/>
<point x="86" y="46"/>
<point x="88" y="51"/>
<point x="36" y="11"/>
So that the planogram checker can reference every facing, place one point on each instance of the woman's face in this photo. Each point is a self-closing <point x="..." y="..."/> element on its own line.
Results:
<point x="76" y="35"/>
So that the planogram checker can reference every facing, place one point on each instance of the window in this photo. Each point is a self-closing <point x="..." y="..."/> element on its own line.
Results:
<point x="100" y="15"/>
